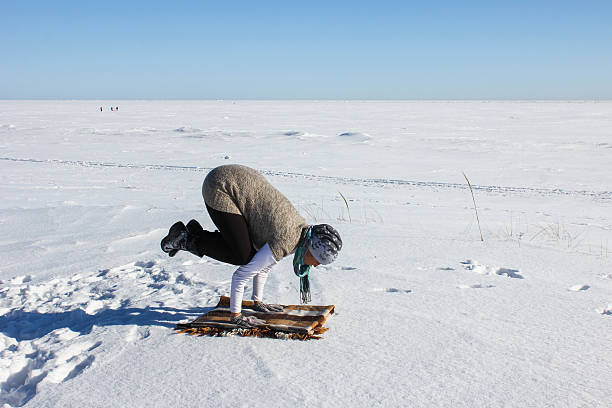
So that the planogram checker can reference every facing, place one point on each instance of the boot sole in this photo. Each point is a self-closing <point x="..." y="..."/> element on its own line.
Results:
<point x="177" y="227"/>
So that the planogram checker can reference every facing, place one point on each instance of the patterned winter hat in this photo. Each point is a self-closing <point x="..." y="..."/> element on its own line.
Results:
<point x="325" y="243"/>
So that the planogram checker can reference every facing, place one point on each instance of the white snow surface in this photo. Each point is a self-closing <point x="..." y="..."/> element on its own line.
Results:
<point x="427" y="315"/>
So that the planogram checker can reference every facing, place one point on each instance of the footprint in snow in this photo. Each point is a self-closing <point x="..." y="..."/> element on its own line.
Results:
<point x="329" y="268"/>
<point x="137" y="333"/>
<point x="475" y="266"/>
<point x="71" y="361"/>
<point x="475" y="286"/>
<point x="511" y="273"/>
<point x="18" y="280"/>
<point x="55" y="360"/>
<point x="391" y="290"/>
<point x="145" y="265"/>
<point x="605" y="310"/>
<point x="261" y="364"/>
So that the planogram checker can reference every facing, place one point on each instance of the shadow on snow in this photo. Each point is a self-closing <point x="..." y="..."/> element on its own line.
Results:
<point x="22" y="325"/>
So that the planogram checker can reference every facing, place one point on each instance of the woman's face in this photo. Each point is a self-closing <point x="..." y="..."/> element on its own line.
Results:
<point x="310" y="260"/>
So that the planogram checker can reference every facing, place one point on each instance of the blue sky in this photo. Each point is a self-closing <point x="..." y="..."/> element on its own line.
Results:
<point x="306" y="50"/>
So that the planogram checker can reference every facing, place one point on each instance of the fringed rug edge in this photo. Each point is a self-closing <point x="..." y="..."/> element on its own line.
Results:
<point x="254" y="332"/>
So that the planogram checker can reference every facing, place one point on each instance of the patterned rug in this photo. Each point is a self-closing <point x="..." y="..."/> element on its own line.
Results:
<point x="299" y="322"/>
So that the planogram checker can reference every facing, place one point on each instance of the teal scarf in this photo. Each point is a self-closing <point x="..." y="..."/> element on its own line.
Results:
<point x="300" y="268"/>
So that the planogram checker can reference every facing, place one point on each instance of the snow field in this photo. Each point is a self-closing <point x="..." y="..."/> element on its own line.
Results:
<point x="426" y="314"/>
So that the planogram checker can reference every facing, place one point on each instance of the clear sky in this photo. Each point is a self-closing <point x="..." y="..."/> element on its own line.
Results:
<point x="306" y="49"/>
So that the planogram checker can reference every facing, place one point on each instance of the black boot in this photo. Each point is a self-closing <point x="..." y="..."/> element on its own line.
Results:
<point x="176" y="239"/>
<point x="194" y="227"/>
<point x="185" y="238"/>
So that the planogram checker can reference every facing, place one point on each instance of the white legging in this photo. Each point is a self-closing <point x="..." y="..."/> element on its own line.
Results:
<point x="258" y="269"/>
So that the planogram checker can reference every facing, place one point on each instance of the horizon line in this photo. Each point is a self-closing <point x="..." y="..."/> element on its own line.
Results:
<point x="321" y="100"/>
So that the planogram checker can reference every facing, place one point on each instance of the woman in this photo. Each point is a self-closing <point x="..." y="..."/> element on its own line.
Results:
<point x="257" y="227"/>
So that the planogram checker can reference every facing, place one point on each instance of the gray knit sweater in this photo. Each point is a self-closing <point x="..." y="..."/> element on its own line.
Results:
<point x="270" y="217"/>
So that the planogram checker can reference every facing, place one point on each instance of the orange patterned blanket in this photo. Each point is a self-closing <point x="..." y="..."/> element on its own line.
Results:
<point x="301" y="322"/>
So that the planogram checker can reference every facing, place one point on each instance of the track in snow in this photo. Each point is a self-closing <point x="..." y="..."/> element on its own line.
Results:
<point x="600" y="195"/>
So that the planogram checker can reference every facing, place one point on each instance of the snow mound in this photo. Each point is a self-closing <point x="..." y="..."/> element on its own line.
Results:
<point x="192" y="133"/>
<point x="475" y="286"/>
<point x="578" y="288"/>
<point x="103" y="132"/>
<point x="141" y="130"/>
<point x="297" y="134"/>
<point x="356" y="136"/>
<point x="187" y="129"/>
<point x="293" y="133"/>
<point x="196" y="133"/>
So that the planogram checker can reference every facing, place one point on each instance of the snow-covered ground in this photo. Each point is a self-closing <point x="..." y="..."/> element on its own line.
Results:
<point x="427" y="314"/>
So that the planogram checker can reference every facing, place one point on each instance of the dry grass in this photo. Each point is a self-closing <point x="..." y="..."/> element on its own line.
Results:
<point x="558" y="232"/>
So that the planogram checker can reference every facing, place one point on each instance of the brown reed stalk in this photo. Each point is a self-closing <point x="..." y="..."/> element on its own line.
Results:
<point x="475" y="209"/>
<point x="347" y="206"/>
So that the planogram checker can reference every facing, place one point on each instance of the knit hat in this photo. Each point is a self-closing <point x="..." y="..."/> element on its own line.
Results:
<point x="325" y="243"/>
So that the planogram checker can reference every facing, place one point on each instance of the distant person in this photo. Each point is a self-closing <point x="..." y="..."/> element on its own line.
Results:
<point x="257" y="227"/>
<point x="116" y="108"/>
<point x="111" y="108"/>
<point x="100" y="109"/>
